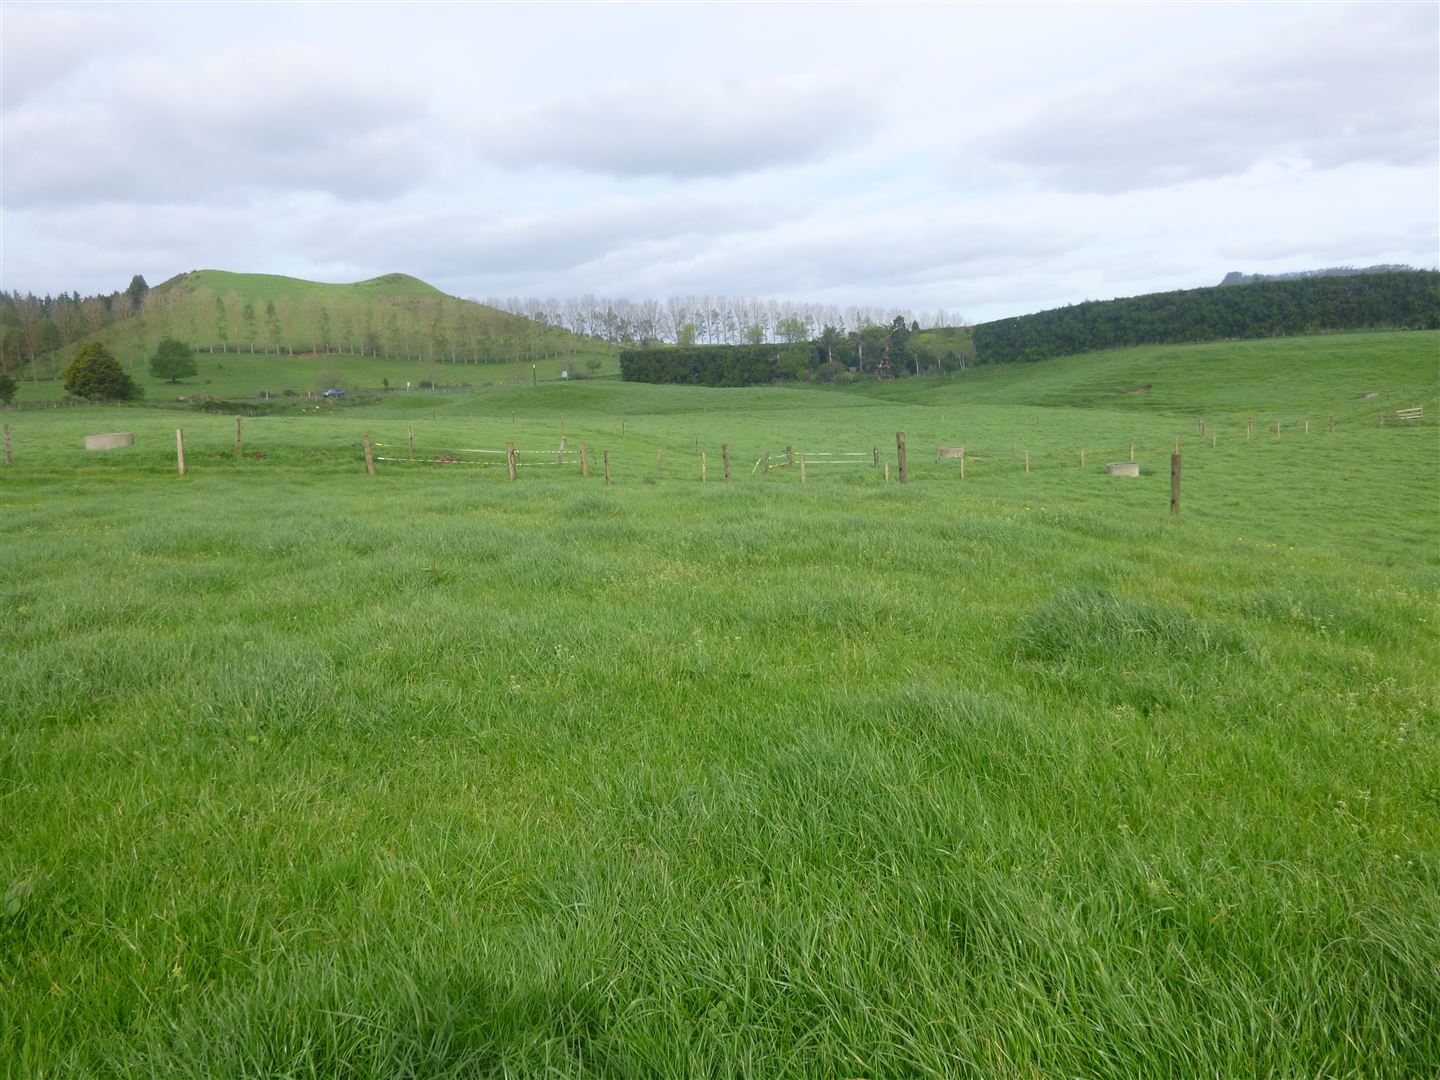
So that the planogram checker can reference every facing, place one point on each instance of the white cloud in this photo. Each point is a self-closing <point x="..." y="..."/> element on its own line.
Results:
<point x="42" y="46"/>
<point x="683" y="130"/>
<point x="1348" y="86"/>
<point x="292" y="119"/>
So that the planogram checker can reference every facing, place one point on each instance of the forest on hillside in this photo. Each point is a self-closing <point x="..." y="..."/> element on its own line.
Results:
<point x="1404" y="300"/>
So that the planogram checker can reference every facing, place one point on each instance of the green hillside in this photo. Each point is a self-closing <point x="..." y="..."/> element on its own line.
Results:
<point x="1327" y="373"/>
<point x="275" y="287"/>
<point x="393" y="318"/>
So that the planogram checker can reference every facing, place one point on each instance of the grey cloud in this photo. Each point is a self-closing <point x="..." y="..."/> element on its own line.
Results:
<point x="858" y="257"/>
<point x="43" y="46"/>
<point x="297" y="122"/>
<point x="467" y="243"/>
<point x="682" y="130"/>
<point x="1356" y="86"/>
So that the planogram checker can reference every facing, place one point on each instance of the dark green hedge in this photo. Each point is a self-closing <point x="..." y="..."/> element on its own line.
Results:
<point x="1261" y="309"/>
<point x="715" y="365"/>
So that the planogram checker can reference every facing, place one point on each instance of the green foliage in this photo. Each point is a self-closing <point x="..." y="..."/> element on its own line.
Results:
<point x="8" y="386"/>
<point x="1406" y="299"/>
<point x="172" y="361"/>
<point x="714" y="365"/>
<point x="94" y="373"/>
<point x="136" y="290"/>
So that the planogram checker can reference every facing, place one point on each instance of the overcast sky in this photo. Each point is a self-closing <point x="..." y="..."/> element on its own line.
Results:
<point x="984" y="159"/>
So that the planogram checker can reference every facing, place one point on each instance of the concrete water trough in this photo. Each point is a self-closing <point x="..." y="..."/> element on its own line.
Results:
<point x="111" y="441"/>
<point x="1124" y="468"/>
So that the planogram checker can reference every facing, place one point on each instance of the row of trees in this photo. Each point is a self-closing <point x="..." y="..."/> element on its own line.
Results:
<point x="874" y="351"/>
<point x="440" y="330"/>
<point x="709" y="320"/>
<point x="1408" y="299"/>
<point x="34" y="326"/>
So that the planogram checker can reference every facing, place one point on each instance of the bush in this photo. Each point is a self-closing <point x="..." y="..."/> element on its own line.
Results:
<point x="8" y="386"/>
<point x="173" y="360"/>
<point x="710" y="365"/>
<point x="96" y="374"/>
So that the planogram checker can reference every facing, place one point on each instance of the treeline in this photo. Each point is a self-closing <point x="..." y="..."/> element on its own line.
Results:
<point x="1409" y="300"/>
<point x="709" y="320"/>
<point x="1235" y="277"/>
<point x="34" y="326"/>
<point x="714" y="365"/>
<point x="874" y="351"/>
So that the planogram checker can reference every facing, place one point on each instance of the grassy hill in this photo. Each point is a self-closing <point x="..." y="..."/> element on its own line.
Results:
<point x="275" y="287"/>
<point x="434" y="773"/>
<point x="397" y="319"/>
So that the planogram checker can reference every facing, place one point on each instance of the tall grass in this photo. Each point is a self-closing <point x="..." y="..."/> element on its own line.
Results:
<point x="305" y="773"/>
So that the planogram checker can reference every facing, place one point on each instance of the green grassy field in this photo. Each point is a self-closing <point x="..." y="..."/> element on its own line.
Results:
<point x="308" y="773"/>
<point x="250" y="377"/>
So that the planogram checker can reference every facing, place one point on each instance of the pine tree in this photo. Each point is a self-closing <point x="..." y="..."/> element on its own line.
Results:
<point x="97" y="375"/>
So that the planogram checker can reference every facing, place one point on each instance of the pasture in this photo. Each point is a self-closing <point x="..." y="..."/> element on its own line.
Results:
<point x="305" y="772"/>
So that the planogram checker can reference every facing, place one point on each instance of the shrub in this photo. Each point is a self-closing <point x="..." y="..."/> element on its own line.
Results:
<point x="173" y="360"/>
<point x="95" y="374"/>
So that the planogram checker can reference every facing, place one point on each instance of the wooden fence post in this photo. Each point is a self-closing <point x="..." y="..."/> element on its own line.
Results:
<point x="1177" y="442"/>
<point x="1202" y="429"/>
<point x="702" y="466"/>
<point x="1132" y="448"/>
<point x="369" y="455"/>
<point x="239" y="439"/>
<point x="1249" y="428"/>
<point x="887" y="472"/>
<point x="900" y="455"/>
<point x="584" y="461"/>
<point x="1212" y="440"/>
<point x="410" y="442"/>
<point x="180" y="450"/>
<point x="802" y="468"/>
<point x="607" y="468"/>
<point x="9" y="457"/>
<point x="875" y="453"/>
<point x="962" y="463"/>
<point x="1307" y="427"/>
<point x="725" y="457"/>
<point x="510" y="459"/>
<point x="1082" y="457"/>
<point x="767" y="462"/>
<point x="1174" y="485"/>
<point x="789" y="456"/>
<point x="560" y="454"/>
<point x="1027" y="461"/>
